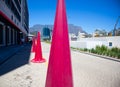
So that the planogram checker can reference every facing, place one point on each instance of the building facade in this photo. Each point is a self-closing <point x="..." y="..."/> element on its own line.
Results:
<point x="46" y="33"/>
<point x="14" y="21"/>
<point x="100" y="33"/>
<point x="89" y="43"/>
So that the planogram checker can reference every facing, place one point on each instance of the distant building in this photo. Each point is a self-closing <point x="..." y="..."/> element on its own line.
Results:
<point x="81" y="35"/>
<point x="14" y="21"/>
<point x="72" y="37"/>
<point x="118" y="32"/>
<point x="115" y="32"/>
<point x="99" y="33"/>
<point x="46" y="34"/>
<point x="110" y="34"/>
<point x="30" y="37"/>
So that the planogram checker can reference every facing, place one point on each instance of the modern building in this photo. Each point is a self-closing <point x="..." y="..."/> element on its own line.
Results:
<point x="72" y="37"/>
<point x="81" y="35"/>
<point x="46" y="34"/>
<point x="14" y="21"/>
<point x="118" y="32"/>
<point x="115" y="32"/>
<point x="100" y="33"/>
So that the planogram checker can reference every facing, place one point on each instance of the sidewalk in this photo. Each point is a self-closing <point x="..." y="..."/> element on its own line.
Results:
<point x="18" y="71"/>
<point x="88" y="70"/>
<point x="7" y="52"/>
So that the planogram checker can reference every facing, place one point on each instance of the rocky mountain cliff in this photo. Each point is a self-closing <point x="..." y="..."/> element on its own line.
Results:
<point x="72" y="28"/>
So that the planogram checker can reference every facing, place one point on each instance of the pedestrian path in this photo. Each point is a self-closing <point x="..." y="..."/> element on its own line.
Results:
<point x="7" y="52"/>
<point x="19" y="57"/>
<point x="88" y="70"/>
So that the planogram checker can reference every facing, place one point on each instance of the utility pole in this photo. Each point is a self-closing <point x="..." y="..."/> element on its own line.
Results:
<point x="114" y="31"/>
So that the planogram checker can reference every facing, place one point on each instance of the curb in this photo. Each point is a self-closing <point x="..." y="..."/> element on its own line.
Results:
<point x="101" y="56"/>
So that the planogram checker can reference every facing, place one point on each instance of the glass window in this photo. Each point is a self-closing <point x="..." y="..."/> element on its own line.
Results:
<point x="110" y="43"/>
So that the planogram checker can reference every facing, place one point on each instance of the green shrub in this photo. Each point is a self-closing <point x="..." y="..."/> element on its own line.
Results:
<point x="115" y="49"/>
<point x="77" y="48"/>
<point x="118" y="56"/>
<point x="110" y="54"/>
<point x="85" y="49"/>
<point x="114" y="54"/>
<point x="81" y="49"/>
<point x="97" y="51"/>
<point x="72" y="48"/>
<point x="103" y="48"/>
<point x="119" y="50"/>
<point x="93" y="50"/>
<point x="89" y="50"/>
<point x="107" y="53"/>
<point x="97" y="48"/>
<point x="104" y="52"/>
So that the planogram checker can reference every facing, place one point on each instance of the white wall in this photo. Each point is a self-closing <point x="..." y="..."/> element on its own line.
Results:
<point x="93" y="42"/>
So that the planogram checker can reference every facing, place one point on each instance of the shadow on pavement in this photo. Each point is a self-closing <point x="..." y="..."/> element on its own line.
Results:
<point x="19" y="59"/>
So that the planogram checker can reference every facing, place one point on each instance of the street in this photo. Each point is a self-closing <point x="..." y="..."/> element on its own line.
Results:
<point x="88" y="70"/>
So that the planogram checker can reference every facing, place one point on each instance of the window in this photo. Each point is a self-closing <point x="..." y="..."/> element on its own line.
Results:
<point x="110" y="43"/>
<point x="14" y="10"/>
<point x="8" y="2"/>
<point x="12" y="17"/>
<point x="18" y="5"/>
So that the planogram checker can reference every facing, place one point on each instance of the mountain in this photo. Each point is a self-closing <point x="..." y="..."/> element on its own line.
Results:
<point x="72" y="28"/>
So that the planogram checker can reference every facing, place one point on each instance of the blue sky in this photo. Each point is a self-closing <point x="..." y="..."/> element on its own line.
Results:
<point x="89" y="14"/>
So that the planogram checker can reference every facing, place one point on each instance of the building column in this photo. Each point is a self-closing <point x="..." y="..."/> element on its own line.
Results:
<point x="9" y="35"/>
<point x="4" y="35"/>
<point x="1" y="34"/>
<point x="13" y="36"/>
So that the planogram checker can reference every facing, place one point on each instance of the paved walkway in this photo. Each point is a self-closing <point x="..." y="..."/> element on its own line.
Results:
<point x="88" y="70"/>
<point x="7" y="52"/>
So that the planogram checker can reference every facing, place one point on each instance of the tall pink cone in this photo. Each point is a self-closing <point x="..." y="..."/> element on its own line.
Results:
<point x="38" y="51"/>
<point x="59" y="72"/>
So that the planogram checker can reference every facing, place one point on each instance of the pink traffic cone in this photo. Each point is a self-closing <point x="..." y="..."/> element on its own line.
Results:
<point x="59" y="72"/>
<point x="33" y="44"/>
<point x="38" y="51"/>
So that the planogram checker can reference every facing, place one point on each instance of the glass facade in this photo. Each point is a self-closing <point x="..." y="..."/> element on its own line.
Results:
<point x="14" y="8"/>
<point x="14" y="18"/>
<point x="15" y="11"/>
<point x="46" y="32"/>
<point x="18" y="5"/>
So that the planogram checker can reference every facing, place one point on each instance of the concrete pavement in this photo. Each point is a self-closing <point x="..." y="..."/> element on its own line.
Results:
<point x="91" y="71"/>
<point x="88" y="70"/>
<point x="6" y="52"/>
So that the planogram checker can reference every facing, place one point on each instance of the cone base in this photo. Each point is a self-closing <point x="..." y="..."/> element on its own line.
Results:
<point x="38" y="61"/>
